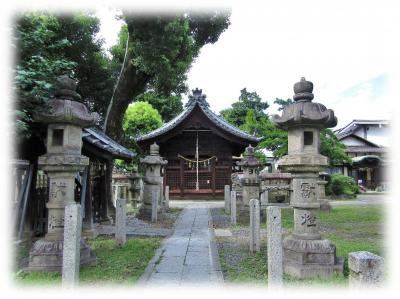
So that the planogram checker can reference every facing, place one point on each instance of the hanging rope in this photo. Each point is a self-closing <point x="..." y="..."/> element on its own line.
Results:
<point x="194" y="161"/>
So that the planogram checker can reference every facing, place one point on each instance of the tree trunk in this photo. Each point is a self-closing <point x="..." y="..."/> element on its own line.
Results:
<point x="131" y="83"/>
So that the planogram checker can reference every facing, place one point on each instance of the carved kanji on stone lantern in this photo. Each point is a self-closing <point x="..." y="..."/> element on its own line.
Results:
<point x="306" y="254"/>
<point x="62" y="162"/>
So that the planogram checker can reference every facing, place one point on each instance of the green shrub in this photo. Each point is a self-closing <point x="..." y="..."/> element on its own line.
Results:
<point x="339" y="184"/>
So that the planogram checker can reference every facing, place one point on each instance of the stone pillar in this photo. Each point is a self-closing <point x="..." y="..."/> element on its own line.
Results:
<point x="62" y="161"/>
<point x="254" y="225"/>
<point x="306" y="253"/>
<point x="250" y="183"/>
<point x="88" y="229"/>
<point x="227" y="197"/>
<point x="366" y="269"/>
<point x="120" y="221"/>
<point x="71" y="252"/>
<point x="274" y="246"/>
<point x="321" y="197"/>
<point x="167" y="197"/>
<point x="264" y="199"/>
<point x="233" y="207"/>
<point x="152" y="180"/>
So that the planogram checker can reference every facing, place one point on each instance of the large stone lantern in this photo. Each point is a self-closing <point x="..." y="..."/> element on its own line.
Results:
<point x="306" y="253"/>
<point x="250" y="183"/>
<point x="153" y="181"/>
<point x="62" y="162"/>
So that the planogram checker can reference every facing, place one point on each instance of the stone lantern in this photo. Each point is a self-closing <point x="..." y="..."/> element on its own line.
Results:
<point x="250" y="183"/>
<point x="62" y="162"/>
<point x="153" y="181"/>
<point x="306" y="253"/>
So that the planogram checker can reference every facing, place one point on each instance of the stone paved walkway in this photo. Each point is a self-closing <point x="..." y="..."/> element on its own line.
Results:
<point x="190" y="255"/>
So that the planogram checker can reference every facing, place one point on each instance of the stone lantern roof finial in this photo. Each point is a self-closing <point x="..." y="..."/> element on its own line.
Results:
<point x="154" y="149"/>
<point x="303" y="90"/>
<point x="66" y="88"/>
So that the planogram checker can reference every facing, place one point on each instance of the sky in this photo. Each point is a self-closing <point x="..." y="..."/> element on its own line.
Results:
<point x="344" y="48"/>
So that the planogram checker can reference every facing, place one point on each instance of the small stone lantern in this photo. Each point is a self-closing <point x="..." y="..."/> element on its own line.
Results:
<point x="250" y="183"/>
<point x="62" y="162"/>
<point x="153" y="181"/>
<point x="306" y="254"/>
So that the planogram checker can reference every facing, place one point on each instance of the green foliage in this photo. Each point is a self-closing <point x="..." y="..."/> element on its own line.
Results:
<point x="236" y="115"/>
<point x="282" y="103"/>
<point x="331" y="147"/>
<point x="168" y="106"/>
<point x="40" y="61"/>
<point x="339" y="184"/>
<point x="49" y="45"/>
<point x="140" y="118"/>
<point x="161" y="49"/>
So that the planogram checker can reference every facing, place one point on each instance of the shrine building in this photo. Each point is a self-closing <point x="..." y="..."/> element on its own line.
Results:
<point x="201" y="149"/>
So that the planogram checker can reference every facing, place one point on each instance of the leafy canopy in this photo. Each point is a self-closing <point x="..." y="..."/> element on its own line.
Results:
<point x="161" y="49"/>
<point x="49" y="45"/>
<point x="140" y="118"/>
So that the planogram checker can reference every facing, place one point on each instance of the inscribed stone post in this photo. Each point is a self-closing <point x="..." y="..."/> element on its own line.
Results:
<point x="227" y="194"/>
<point x="233" y="207"/>
<point x="120" y="221"/>
<point x="167" y="197"/>
<point x="264" y="198"/>
<point x="274" y="247"/>
<point x="154" y="205"/>
<point x="71" y="247"/>
<point x="366" y="269"/>
<point x="254" y="225"/>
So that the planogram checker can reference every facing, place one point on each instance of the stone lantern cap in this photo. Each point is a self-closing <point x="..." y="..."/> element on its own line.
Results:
<point x="249" y="158"/>
<point x="65" y="108"/>
<point x="304" y="112"/>
<point x="154" y="157"/>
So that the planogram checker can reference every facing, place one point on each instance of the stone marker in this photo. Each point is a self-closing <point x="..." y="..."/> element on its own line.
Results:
<point x="274" y="247"/>
<point x="71" y="250"/>
<point x="264" y="198"/>
<point x="120" y="221"/>
<point x="233" y="207"/>
<point x="154" y="205"/>
<point x="227" y="194"/>
<point x="365" y="268"/>
<point x="254" y="225"/>
<point x="167" y="197"/>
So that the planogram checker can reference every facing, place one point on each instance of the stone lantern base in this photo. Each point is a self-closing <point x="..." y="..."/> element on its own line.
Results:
<point x="310" y="258"/>
<point x="47" y="255"/>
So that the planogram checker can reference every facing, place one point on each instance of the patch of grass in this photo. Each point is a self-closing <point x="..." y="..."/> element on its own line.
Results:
<point x="123" y="265"/>
<point x="349" y="228"/>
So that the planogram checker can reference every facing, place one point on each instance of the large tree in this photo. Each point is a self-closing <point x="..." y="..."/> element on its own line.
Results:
<point x="159" y="52"/>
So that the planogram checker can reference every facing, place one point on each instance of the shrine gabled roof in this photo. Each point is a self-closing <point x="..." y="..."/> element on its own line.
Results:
<point x="199" y="99"/>
<point x="99" y="139"/>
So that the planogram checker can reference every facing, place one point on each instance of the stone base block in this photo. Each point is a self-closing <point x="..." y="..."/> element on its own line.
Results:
<point x="313" y="270"/>
<point x="144" y="213"/>
<point x="310" y="258"/>
<point x="48" y="255"/>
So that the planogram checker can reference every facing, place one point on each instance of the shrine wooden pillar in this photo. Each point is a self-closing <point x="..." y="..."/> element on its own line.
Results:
<point x="181" y="175"/>
<point x="213" y="166"/>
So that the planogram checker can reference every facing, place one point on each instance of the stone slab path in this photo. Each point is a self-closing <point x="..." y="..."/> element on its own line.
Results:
<point x="190" y="255"/>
